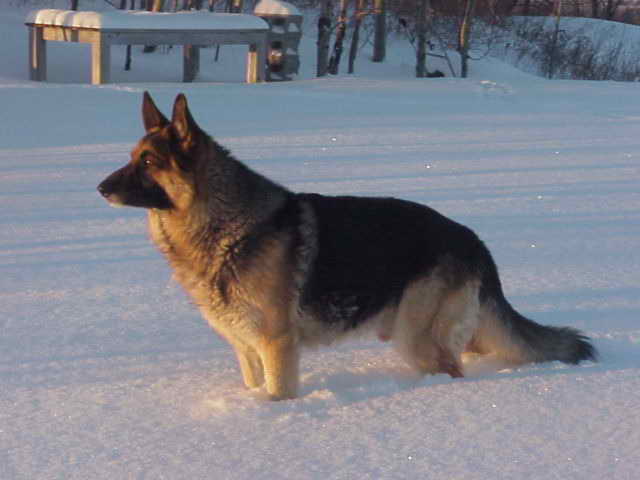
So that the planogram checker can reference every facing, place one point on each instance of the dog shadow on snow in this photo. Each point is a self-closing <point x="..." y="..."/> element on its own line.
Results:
<point x="321" y="392"/>
<point x="325" y="388"/>
<point x="355" y="381"/>
<point x="356" y="384"/>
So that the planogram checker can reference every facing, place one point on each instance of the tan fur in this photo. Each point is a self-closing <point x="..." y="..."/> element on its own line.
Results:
<point x="434" y="323"/>
<point x="257" y="321"/>
<point x="492" y="337"/>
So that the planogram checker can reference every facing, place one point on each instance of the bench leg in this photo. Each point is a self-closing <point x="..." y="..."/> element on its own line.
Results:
<point x="100" y="62"/>
<point x="37" y="55"/>
<point x="190" y="62"/>
<point x="256" y="62"/>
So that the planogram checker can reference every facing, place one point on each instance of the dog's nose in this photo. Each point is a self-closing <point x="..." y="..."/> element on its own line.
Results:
<point x="103" y="191"/>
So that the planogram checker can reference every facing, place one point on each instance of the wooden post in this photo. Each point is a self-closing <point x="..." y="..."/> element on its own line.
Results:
<point x="256" y="61"/>
<point x="236" y="6"/>
<point x="37" y="55"/>
<point x="100" y="61"/>
<point x="190" y="63"/>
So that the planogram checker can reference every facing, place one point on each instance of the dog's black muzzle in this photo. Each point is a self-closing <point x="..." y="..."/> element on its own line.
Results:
<point x="132" y="187"/>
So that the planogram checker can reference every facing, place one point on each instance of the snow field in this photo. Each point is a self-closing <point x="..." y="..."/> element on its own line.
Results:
<point x="107" y="371"/>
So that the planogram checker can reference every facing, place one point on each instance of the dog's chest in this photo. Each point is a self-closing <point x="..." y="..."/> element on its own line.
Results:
<point x="193" y="267"/>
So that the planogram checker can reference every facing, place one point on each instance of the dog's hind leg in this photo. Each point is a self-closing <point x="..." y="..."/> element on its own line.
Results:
<point x="435" y="323"/>
<point x="412" y="331"/>
<point x="455" y="323"/>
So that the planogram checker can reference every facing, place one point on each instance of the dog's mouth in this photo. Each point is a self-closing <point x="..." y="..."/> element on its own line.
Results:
<point x="112" y="199"/>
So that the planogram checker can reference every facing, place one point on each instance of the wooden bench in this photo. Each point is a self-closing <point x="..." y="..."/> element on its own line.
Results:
<point x="120" y="27"/>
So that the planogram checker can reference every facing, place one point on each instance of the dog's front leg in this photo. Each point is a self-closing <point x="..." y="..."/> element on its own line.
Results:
<point x="280" y="359"/>
<point x="250" y="366"/>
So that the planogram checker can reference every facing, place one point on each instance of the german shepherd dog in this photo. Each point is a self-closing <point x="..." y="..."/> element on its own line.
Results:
<point x="273" y="271"/>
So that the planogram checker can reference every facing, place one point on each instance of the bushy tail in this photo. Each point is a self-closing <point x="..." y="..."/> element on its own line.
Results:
<point x="516" y="339"/>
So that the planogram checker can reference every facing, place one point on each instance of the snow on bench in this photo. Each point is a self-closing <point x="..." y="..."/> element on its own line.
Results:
<point x="142" y="20"/>
<point x="122" y="27"/>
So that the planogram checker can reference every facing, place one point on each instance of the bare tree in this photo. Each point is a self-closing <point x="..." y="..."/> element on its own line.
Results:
<point x="334" y="61"/>
<point x="380" y="33"/>
<point x="554" y="40"/>
<point x="355" y="37"/>
<point x="464" y="36"/>
<point x="507" y="6"/>
<point x="324" y="35"/>
<point x="609" y="8"/>
<point x="423" y="26"/>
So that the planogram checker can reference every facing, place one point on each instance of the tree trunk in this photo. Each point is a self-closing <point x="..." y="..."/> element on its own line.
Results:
<point x="423" y="20"/>
<point x="324" y="35"/>
<point x="334" y="61"/>
<point x="554" y="41"/>
<point x="463" y="39"/>
<point x="74" y="5"/>
<point x="509" y="7"/>
<point x="355" y="38"/>
<point x="610" y="8"/>
<point x="380" y="33"/>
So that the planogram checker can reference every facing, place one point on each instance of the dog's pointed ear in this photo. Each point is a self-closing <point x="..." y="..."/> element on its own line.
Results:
<point x="151" y="116"/>
<point x="182" y="121"/>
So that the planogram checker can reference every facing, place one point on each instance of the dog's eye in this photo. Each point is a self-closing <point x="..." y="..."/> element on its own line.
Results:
<point x="147" y="159"/>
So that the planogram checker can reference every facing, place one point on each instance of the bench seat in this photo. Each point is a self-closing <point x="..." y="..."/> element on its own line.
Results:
<point x="122" y="27"/>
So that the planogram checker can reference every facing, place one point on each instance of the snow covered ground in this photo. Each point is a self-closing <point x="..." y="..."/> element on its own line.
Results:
<point x="107" y="371"/>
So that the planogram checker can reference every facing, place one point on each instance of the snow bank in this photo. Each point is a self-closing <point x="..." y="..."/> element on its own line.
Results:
<point x="137" y="20"/>
<point x="275" y="7"/>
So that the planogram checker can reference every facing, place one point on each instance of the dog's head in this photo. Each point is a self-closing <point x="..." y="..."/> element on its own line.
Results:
<point x="161" y="171"/>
